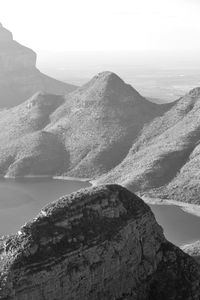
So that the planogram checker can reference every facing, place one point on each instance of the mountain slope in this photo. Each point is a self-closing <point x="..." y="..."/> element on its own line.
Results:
<point x="99" y="122"/>
<point x="164" y="161"/>
<point x="19" y="77"/>
<point x="98" y="243"/>
<point x="25" y="147"/>
<point x="94" y="128"/>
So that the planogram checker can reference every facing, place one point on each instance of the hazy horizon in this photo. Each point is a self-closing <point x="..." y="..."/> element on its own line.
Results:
<point x="128" y="25"/>
<point x="157" y="74"/>
<point x="152" y="45"/>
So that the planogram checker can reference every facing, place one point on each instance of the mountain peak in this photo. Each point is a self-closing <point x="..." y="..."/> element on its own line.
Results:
<point x="108" y="77"/>
<point x="108" y="82"/>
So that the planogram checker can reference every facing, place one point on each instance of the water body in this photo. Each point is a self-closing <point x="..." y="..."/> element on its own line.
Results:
<point x="21" y="200"/>
<point x="179" y="226"/>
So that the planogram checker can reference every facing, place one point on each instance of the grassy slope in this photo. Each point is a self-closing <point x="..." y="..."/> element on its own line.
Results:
<point x="164" y="161"/>
<point x="25" y="148"/>
<point x="84" y="134"/>
<point x="99" y="122"/>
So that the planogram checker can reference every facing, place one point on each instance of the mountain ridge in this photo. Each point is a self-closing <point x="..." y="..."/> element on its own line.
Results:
<point x="163" y="161"/>
<point x="104" y="112"/>
<point x="95" y="126"/>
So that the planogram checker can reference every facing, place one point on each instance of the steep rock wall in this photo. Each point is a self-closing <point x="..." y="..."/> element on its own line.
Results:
<point x="98" y="243"/>
<point x="14" y="56"/>
<point x="19" y="77"/>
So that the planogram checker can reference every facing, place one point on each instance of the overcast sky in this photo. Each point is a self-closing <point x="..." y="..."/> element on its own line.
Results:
<point x="61" y="25"/>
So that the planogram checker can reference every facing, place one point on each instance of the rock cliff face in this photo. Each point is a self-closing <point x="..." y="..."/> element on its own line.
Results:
<point x="19" y="77"/>
<point x="13" y="56"/>
<point x="5" y="35"/>
<point x="99" y="243"/>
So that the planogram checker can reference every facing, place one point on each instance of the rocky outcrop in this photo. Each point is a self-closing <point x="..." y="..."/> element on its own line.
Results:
<point x="98" y="243"/>
<point x="193" y="250"/>
<point x="19" y="77"/>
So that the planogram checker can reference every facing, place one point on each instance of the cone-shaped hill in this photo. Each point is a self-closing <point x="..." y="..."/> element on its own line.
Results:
<point x="99" y="122"/>
<point x="84" y="134"/>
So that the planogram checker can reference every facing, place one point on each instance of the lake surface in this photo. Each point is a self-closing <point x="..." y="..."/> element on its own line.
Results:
<point x="21" y="200"/>
<point x="179" y="226"/>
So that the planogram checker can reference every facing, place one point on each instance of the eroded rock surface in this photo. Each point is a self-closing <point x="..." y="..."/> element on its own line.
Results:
<point x="193" y="250"/>
<point x="97" y="243"/>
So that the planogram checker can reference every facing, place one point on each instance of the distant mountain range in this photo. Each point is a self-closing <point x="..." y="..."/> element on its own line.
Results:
<point x="19" y="77"/>
<point x="102" y="242"/>
<point x="104" y="130"/>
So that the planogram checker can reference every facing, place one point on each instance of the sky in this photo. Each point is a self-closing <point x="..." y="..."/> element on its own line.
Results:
<point x="103" y="25"/>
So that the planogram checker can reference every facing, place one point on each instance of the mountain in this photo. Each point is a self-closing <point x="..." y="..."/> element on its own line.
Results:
<point x="83" y="134"/>
<point x="26" y="148"/>
<point x="98" y="243"/>
<point x="19" y="77"/>
<point x="99" y="122"/>
<point x="164" y="161"/>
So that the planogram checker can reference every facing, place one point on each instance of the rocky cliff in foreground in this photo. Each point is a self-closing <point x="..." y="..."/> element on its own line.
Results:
<point x="97" y="243"/>
<point x="19" y="77"/>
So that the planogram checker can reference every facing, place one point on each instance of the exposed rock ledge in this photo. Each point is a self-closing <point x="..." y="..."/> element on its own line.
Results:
<point x="98" y="243"/>
<point x="193" y="249"/>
